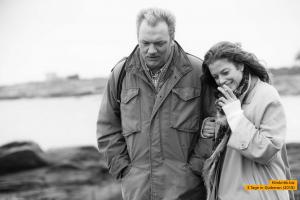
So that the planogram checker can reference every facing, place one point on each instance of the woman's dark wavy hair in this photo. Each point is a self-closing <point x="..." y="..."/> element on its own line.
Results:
<point x="235" y="54"/>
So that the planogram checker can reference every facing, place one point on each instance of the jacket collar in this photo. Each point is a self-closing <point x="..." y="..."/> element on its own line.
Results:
<point x="180" y="63"/>
<point x="245" y="97"/>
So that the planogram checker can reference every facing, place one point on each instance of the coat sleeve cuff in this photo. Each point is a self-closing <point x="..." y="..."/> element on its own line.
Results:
<point x="117" y="167"/>
<point x="234" y="113"/>
<point x="242" y="135"/>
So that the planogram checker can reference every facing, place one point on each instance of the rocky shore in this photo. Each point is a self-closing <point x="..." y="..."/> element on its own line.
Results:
<point x="56" y="88"/>
<point x="29" y="173"/>
<point x="286" y="85"/>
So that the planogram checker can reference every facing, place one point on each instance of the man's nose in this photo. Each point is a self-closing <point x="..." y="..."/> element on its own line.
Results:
<point x="152" y="49"/>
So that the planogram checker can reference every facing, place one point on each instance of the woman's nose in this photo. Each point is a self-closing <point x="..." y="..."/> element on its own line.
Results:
<point x="221" y="80"/>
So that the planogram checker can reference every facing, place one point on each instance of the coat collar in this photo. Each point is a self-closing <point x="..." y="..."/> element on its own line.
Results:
<point x="246" y="97"/>
<point x="179" y="64"/>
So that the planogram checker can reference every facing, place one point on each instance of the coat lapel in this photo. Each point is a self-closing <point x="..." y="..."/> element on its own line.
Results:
<point x="178" y="73"/>
<point x="180" y="65"/>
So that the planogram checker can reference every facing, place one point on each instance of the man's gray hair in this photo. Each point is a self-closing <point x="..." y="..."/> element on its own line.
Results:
<point x="155" y="15"/>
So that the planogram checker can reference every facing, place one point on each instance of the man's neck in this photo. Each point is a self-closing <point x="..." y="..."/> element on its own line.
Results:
<point x="155" y="69"/>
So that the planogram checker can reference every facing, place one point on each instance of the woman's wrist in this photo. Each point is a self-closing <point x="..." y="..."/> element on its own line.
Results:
<point x="232" y="108"/>
<point x="234" y="113"/>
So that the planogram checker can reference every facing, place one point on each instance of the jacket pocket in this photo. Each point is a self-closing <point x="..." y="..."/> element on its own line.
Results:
<point x="185" y="109"/>
<point x="130" y="111"/>
<point x="135" y="144"/>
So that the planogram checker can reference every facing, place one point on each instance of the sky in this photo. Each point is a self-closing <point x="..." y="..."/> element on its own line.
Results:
<point x="88" y="37"/>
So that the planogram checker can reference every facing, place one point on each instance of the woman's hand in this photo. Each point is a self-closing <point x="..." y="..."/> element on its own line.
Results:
<point x="208" y="127"/>
<point x="228" y="96"/>
<point x="230" y="104"/>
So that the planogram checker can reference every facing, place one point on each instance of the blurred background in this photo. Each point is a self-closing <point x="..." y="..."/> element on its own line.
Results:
<point x="56" y="55"/>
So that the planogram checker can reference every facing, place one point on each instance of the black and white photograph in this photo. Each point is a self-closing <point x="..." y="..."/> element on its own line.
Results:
<point x="149" y="100"/>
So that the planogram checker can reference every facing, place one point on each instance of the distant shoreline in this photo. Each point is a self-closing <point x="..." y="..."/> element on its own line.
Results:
<point x="54" y="88"/>
<point x="285" y="84"/>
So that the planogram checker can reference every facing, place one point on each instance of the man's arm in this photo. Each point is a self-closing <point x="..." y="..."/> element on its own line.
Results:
<point x="200" y="153"/>
<point x="203" y="147"/>
<point x="111" y="142"/>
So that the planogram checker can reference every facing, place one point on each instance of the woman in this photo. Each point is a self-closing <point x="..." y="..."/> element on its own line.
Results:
<point x="249" y="127"/>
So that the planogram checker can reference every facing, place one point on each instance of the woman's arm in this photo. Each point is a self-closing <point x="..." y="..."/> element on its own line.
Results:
<point x="261" y="143"/>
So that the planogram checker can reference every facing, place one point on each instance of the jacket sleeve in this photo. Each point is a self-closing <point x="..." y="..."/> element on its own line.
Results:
<point x="110" y="140"/>
<point x="261" y="143"/>
<point x="200" y="153"/>
<point x="203" y="147"/>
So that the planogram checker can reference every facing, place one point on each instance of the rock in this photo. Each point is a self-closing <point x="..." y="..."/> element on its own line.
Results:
<point x="293" y="150"/>
<point x="20" y="156"/>
<point x="69" y="173"/>
<point x="85" y="156"/>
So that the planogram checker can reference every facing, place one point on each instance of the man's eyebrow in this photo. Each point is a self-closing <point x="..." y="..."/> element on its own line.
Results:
<point x="161" y="41"/>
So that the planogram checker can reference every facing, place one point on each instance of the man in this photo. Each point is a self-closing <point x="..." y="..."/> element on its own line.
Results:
<point x="150" y="138"/>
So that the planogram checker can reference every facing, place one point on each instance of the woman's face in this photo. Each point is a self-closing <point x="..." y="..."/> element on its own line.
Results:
<point x="225" y="72"/>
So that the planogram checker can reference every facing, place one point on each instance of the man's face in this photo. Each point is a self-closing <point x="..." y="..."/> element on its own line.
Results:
<point x="155" y="44"/>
